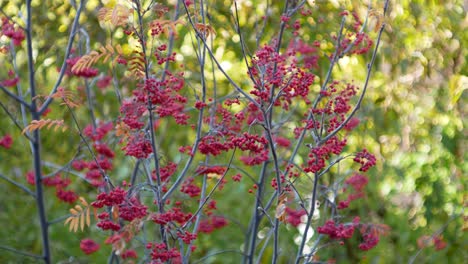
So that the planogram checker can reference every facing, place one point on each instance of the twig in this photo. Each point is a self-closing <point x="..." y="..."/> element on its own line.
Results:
<point x="19" y="252"/>
<point x="207" y="198"/>
<point x="358" y="104"/>
<point x="237" y="87"/>
<point x="14" y="96"/>
<point x="22" y="187"/>
<point x="256" y="218"/>
<point x="310" y="214"/>
<point x="14" y="120"/>
<point x="316" y="178"/>
<point x="36" y="141"/>
<point x="74" y="27"/>
<point x="436" y="233"/>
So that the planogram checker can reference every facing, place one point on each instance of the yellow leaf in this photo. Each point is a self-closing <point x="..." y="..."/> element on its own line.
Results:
<point x="281" y="208"/>
<point x="95" y="214"/>
<point x="38" y="124"/>
<point x="83" y="201"/>
<point x="78" y="208"/>
<point x="457" y="84"/>
<point x="117" y="15"/>
<point x="106" y="58"/>
<point x="82" y="221"/>
<point x="280" y="211"/>
<point x="68" y="220"/>
<point x="50" y="125"/>
<point x="119" y="49"/>
<point x="213" y="175"/>
<point x="110" y="48"/>
<point x="72" y="224"/>
<point x="75" y="226"/>
<point x="88" y="218"/>
<point x="205" y="30"/>
<point x="81" y="216"/>
<point x="115" y="212"/>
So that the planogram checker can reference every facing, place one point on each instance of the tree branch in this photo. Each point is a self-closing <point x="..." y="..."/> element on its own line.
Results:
<point x="74" y="27"/>
<point x="22" y="187"/>
<point x="14" y="96"/>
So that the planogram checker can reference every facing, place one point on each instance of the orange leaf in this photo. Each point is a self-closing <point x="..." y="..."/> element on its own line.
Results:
<point x="88" y="218"/>
<point x="115" y="212"/>
<point x="205" y="30"/>
<point x="116" y="16"/>
<point x="83" y="201"/>
<point x="75" y="224"/>
<point x="80" y="217"/>
<point x="281" y="208"/>
<point x="78" y="208"/>
<point x="82" y="221"/>
<point x="95" y="214"/>
<point x="38" y="124"/>
<point x="68" y="220"/>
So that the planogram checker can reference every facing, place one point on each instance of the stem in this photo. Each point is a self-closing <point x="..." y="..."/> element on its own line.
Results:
<point x="19" y="252"/>
<point x="21" y="186"/>
<point x="435" y="234"/>
<point x="358" y="105"/>
<point x="218" y="64"/>
<point x="256" y="218"/>
<point x="309" y="219"/>
<point x="203" y="198"/>
<point x="36" y="148"/>
<point x="278" y="183"/>
<point x="14" y="96"/>
<point x="268" y="116"/>
<point x="206" y="198"/>
<point x="332" y="64"/>
<point x="151" y="123"/>
<point x="334" y="132"/>
<point x="13" y="119"/>
<point x="75" y="24"/>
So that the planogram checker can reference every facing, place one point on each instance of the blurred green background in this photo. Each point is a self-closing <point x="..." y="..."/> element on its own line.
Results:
<point x="413" y="119"/>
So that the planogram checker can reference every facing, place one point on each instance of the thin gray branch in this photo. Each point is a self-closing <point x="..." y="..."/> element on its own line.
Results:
<point x="22" y="187"/>
<point x="19" y="252"/>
